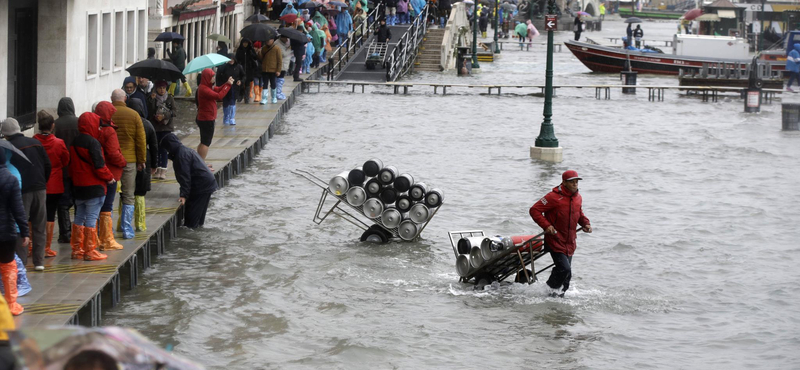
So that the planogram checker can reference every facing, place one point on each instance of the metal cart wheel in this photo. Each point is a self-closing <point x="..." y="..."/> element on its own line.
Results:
<point x="375" y="234"/>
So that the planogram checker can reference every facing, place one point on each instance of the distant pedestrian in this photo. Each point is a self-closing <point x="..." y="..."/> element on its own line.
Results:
<point x="629" y="33"/>
<point x="132" y="90"/>
<point x="444" y="12"/>
<point x="638" y="33"/>
<point x="602" y="9"/>
<point x="90" y="179"/>
<point x="298" y="50"/>
<point x="67" y="124"/>
<point x="271" y="58"/>
<point x="163" y="106"/>
<point x="222" y="48"/>
<point x="402" y="12"/>
<point x="12" y="218"/>
<point x="532" y="31"/>
<point x="34" y="188"/>
<point x="360" y="26"/>
<point x="59" y="160"/>
<point x="308" y="58"/>
<point x="286" y="58"/>
<point x="225" y="71"/>
<point x="247" y="57"/>
<point x="132" y="143"/>
<point x="344" y="25"/>
<point x="558" y="213"/>
<point x="197" y="183"/>
<point x="793" y="66"/>
<point x="384" y="33"/>
<point x="151" y="53"/>
<point x="577" y="27"/>
<point x="391" y="12"/>
<point x="207" y="97"/>
<point x="115" y="162"/>
<point x="178" y="58"/>
<point x="483" y="23"/>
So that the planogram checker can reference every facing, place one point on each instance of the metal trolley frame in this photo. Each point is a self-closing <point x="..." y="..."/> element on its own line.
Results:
<point x="356" y="218"/>
<point x="505" y="263"/>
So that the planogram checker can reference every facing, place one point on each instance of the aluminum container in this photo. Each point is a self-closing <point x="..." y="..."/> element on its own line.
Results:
<point x="356" y="176"/>
<point x="338" y="185"/>
<point x="403" y="203"/>
<point x="475" y="258"/>
<point x="434" y="198"/>
<point x="403" y="182"/>
<point x="373" y="188"/>
<point x="388" y="195"/>
<point x="387" y="175"/>
<point x="373" y="208"/>
<point x="372" y="167"/>
<point x="463" y="266"/>
<point x="356" y="196"/>
<point x="465" y="244"/>
<point x="419" y="213"/>
<point x="391" y="217"/>
<point x="408" y="230"/>
<point x="418" y="191"/>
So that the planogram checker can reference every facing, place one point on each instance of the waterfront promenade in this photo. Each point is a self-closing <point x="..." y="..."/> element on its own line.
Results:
<point x="76" y="292"/>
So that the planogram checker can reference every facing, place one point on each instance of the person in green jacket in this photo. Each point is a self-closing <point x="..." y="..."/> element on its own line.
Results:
<point x="521" y="30"/>
<point x="318" y="40"/>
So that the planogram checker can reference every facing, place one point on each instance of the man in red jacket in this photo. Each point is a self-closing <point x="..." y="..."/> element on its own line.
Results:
<point x="558" y="213"/>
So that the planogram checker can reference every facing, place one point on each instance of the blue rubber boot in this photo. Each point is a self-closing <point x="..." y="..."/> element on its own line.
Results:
<point x="264" y="94"/>
<point x="127" y="221"/>
<point x="281" y="96"/>
<point x="23" y="286"/>
<point x="274" y="95"/>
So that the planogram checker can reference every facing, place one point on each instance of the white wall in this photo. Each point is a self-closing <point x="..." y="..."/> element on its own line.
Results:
<point x="84" y="88"/>
<point x="52" y="57"/>
<point x="3" y="57"/>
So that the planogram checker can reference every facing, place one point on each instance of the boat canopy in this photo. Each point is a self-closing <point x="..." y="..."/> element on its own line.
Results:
<point x="711" y="17"/>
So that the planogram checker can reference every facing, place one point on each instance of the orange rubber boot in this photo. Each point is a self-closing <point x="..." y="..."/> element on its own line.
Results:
<point x="47" y="251"/>
<point x="76" y="241"/>
<point x="106" y="241"/>
<point x="89" y="245"/>
<point x="9" y="273"/>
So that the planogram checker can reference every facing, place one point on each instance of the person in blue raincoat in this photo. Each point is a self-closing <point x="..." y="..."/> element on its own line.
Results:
<point x="793" y="66"/>
<point x="344" y="24"/>
<point x="308" y="59"/>
<point x="288" y="10"/>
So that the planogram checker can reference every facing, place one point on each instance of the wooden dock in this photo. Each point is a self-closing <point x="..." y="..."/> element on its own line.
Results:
<point x="76" y="292"/>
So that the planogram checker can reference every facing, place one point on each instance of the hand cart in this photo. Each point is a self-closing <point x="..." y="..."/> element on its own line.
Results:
<point x="506" y="262"/>
<point x="376" y="54"/>
<point x="378" y="232"/>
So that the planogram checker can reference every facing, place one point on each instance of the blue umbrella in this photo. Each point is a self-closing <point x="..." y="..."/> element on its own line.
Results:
<point x="205" y="61"/>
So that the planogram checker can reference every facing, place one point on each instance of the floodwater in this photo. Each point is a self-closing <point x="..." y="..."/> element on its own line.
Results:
<point x="692" y="263"/>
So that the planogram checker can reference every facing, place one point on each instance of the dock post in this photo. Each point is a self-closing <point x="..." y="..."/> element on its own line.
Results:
<point x="790" y="116"/>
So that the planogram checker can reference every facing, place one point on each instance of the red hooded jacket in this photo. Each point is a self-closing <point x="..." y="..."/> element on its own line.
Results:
<point x="207" y="96"/>
<point x="108" y="139"/>
<point x="87" y="167"/>
<point x="562" y="210"/>
<point x="59" y="158"/>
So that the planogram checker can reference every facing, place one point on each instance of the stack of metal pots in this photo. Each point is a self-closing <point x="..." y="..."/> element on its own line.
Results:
<point x="391" y="198"/>
<point x="476" y="251"/>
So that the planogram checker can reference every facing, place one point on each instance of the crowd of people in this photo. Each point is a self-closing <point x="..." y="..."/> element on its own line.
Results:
<point x="81" y="161"/>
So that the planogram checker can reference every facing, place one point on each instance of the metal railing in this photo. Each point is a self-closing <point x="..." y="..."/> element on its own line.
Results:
<point x="350" y="47"/>
<point x="404" y="54"/>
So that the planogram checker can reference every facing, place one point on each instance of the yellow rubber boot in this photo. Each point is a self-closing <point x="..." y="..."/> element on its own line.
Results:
<point x="171" y="89"/>
<point x="188" y="89"/>
<point x="106" y="233"/>
<point x="139" y="213"/>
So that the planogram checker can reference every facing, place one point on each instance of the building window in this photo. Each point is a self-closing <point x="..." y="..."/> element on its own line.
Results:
<point x="131" y="25"/>
<point x="91" y="45"/>
<point x="105" y="47"/>
<point x="119" y="39"/>
<point x="142" y="33"/>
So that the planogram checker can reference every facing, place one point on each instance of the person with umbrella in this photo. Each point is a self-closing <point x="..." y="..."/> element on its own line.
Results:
<point x="577" y="27"/>
<point x="13" y="226"/>
<point x="248" y="59"/>
<point x="178" y="58"/>
<point x="207" y="96"/>
<point x="638" y="33"/>
<point x="271" y="64"/>
<point x="162" y="105"/>
<point x="629" y="32"/>
<point x="298" y="49"/>
<point x="35" y="173"/>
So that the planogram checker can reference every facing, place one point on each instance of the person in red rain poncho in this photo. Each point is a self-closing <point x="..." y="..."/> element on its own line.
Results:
<point x="558" y="213"/>
<point x="207" y="96"/>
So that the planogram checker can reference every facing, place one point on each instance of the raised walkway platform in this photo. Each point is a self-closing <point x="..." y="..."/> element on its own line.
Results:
<point x="75" y="292"/>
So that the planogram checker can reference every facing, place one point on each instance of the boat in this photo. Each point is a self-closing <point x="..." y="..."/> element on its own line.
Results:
<point x="609" y="59"/>
<point x="650" y="13"/>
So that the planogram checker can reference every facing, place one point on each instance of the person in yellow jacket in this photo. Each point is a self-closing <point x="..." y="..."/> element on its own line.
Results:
<point x="133" y="145"/>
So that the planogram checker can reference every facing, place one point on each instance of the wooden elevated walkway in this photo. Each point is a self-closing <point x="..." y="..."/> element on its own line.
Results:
<point x="76" y="292"/>
<point x="655" y="92"/>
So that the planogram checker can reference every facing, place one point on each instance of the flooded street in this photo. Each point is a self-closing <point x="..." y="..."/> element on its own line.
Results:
<point x="692" y="263"/>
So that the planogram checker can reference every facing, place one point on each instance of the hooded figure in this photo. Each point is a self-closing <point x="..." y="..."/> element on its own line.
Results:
<point x="793" y="66"/>
<point x="115" y="162"/>
<point x="288" y="10"/>
<point x="12" y="218"/>
<point x="320" y="19"/>
<point x="532" y="31"/>
<point x="67" y="122"/>
<point x="248" y="58"/>
<point x="136" y="93"/>
<point x="90" y="178"/>
<point x="196" y="181"/>
<point x="344" y="24"/>
<point x="207" y="96"/>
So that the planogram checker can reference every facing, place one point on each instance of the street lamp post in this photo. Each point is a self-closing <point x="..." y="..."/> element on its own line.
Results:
<point x="496" y="15"/>
<point x="546" y="146"/>
<point x="475" y="36"/>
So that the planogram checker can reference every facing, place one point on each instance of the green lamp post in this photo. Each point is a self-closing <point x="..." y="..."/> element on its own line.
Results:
<point x="496" y="16"/>
<point x="475" y="35"/>
<point x="547" y="137"/>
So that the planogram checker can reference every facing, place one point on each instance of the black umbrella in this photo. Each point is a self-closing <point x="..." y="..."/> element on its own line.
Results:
<point x="258" y="32"/>
<point x="310" y="4"/>
<point x="155" y="70"/>
<point x="293" y="34"/>
<point x="169" y="36"/>
<point x="257" y="18"/>
<point x="633" y="20"/>
<point x="4" y="144"/>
